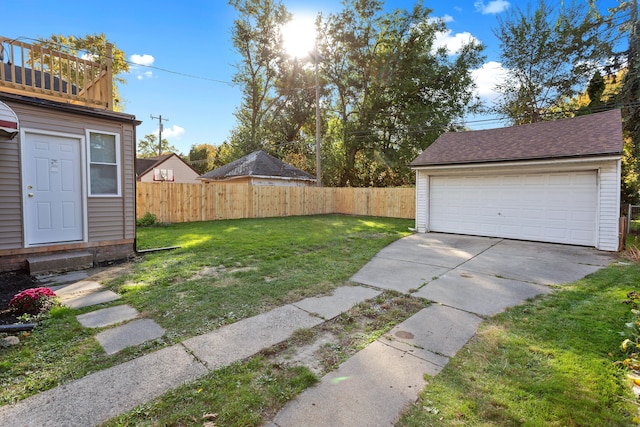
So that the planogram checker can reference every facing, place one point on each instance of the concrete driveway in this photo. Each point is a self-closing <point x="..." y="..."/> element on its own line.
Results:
<point x="481" y="275"/>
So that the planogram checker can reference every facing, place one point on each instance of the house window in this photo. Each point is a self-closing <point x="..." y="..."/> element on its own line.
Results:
<point x="104" y="164"/>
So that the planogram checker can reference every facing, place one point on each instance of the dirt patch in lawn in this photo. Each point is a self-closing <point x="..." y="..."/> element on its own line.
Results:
<point x="323" y="348"/>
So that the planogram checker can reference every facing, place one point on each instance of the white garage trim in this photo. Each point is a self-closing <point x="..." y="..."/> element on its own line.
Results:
<point x="581" y="196"/>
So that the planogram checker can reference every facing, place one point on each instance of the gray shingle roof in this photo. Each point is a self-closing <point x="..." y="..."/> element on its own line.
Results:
<point x="583" y="136"/>
<point x="260" y="164"/>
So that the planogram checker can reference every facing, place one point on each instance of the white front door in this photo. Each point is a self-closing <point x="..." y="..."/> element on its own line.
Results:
<point x="52" y="189"/>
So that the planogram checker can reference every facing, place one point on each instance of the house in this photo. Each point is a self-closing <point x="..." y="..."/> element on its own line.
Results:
<point x="555" y="181"/>
<point x="67" y="180"/>
<point x="167" y="168"/>
<point x="259" y="168"/>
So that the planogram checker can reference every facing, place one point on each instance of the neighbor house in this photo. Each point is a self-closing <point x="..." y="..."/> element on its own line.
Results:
<point x="67" y="180"/>
<point x="555" y="181"/>
<point x="259" y="168"/>
<point x="166" y="168"/>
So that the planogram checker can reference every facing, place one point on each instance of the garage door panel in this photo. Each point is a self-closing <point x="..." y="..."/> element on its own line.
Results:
<point x="553" y="207"/>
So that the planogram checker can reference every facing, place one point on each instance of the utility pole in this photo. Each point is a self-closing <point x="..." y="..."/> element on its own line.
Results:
<point x="160" y="119"/>
<point x="318" y="170"/>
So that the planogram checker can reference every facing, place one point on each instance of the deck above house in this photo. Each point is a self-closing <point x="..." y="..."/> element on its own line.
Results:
<point x="31" y="70"/>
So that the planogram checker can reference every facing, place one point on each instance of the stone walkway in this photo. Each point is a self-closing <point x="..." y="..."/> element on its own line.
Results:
<point x="79" y="290"/>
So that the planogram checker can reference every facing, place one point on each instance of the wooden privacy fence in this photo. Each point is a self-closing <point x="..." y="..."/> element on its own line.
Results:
<point x="171" y="202"/>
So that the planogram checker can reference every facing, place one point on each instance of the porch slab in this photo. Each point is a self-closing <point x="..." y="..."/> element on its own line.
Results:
<point x="59" y="263"/>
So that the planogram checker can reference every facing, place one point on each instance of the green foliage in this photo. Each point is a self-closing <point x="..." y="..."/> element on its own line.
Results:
<point x="385" y="92"/>
<point x="148" y="147"/>
<point x="202" y="157"/>
<point x="549" y="53"/>
<point x="392" y="92"/>
<point x="147" y="220"/>
<point x="93" y="45"/>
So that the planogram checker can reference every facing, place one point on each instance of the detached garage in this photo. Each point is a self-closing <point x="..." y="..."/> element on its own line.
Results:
<point x="553" y="182"/>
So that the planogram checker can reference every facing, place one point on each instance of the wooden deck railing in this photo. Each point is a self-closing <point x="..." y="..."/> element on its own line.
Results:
<point x="31" y="70"/>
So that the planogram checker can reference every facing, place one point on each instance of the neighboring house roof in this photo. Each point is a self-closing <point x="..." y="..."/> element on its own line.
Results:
<point x="592" y="135"/>
<point x="146" y="165"/>
<point x="258" y="164"/>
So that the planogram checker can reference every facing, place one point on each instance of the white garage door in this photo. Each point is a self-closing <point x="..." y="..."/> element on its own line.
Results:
<point x="550" y="207"/>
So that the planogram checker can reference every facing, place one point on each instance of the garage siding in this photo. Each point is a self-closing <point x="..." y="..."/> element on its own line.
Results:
<point x="609" y="206"/>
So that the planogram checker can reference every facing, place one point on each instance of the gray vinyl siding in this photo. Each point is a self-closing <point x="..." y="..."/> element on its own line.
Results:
<point x="108" y="218"/>
<point x="10" y="203"/>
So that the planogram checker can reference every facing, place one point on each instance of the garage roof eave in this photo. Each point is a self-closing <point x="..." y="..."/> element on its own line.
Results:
<point x="513" y="162"/>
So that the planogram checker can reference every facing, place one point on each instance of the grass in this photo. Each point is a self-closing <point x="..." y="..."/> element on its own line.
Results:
<point x="547" y="362"/>
<point x="225" y="271"/>
<point x="550" y="361"/>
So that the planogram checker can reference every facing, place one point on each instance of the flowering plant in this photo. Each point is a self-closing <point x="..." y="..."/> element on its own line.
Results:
<point x="32" y="301"/>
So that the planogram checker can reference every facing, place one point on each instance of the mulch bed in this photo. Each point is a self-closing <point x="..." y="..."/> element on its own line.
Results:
<point x="10" y="284"/>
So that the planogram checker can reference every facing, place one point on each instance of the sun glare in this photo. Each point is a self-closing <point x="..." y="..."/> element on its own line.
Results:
<point x="299" y="36"/>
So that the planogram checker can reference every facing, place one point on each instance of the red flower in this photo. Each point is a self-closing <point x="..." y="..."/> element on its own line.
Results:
<point x="32" y="301"/>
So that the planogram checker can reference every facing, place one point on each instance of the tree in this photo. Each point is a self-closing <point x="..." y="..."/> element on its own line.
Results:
<point x="256" y="36"/>
<point x="549" y="53"/>
<point x="393" y="92"/>
<point x="148" y="147"/>
<point x="93" y="46"/>
<point x="202" y="157"/>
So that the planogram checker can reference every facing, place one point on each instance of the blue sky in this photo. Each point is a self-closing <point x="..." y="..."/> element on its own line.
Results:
<point x="188" y="44"/>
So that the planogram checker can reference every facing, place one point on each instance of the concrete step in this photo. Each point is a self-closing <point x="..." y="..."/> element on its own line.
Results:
<point x="59" y="263"/>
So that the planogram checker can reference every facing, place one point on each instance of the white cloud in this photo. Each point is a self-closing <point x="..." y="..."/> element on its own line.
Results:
<point x="174" y="131"/>
<point x="447" y="18"/>
<point x="486" y="78"/>
<point x="139" y="62"/>
<point x="145" y="60"/>
<point x="493" y="7"/>
<point x="453" y="43"/>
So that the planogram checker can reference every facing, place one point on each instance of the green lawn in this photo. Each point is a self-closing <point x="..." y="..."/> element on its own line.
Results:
<point x="550" y="361"/>
<point x="224" y="271"/>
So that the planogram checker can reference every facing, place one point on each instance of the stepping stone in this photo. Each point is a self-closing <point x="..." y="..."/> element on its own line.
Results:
<point x="61" y="279"/>
<point x="83" y="286"/>
<point x="94" y="298"/>
<point x="132" y="333"/>
<point x="107" y="316"/>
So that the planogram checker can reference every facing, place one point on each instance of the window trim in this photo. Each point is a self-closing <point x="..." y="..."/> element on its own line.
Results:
<point x="118" y="163"/>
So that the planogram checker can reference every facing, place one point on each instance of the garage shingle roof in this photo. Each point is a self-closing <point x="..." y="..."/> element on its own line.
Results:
<point x="583" y="136"/>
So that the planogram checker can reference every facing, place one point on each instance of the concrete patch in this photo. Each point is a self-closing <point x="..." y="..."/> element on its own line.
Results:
<point x="479" y="293"/>
<point x="397" y="275"/>
<point x="343" y="299"/>
<point x="427" y="250"/>
<point x="565" y="253"/>
<point x="102" y="395"/>
<point x="132" y="333"/>
<point x="247" y="337"/>
<point x="544" y="271"/>
<point x="93" y="298"/>
<point x="107" y="316"/>
<point x="370" y="389"/>
<point x="438" y="329"/>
